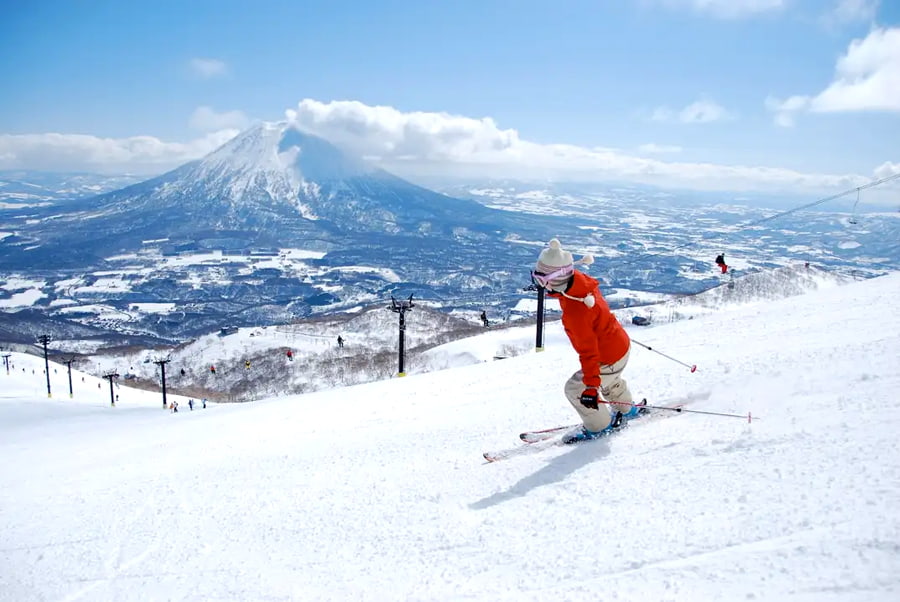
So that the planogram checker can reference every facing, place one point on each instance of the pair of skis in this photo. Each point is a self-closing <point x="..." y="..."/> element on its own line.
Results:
<point x="541" y="439"/>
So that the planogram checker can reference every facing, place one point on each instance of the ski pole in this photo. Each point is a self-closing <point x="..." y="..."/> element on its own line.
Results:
<point x="649" y="348"/>
<point x="679" y="409"/>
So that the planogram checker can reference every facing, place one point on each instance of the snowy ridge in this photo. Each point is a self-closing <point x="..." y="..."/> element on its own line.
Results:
<point x="20" y="189"/>
<point x="379" y="491"/>
<point x="744" y="289"/>
<point x="371" y="341"/>
<point x="369" y="353"/>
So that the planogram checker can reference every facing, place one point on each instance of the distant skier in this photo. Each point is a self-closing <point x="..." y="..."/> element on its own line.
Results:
<point x="247" y="364"/>
<point x="340" y="342"/>
<point x="183" y="372"/>
<point x="290" y="355"/>
<point x="484" y="318"/>
<point x="174" y="407"/>
<point x="720" y="261"/>
<point x="191" y="404"/>
<point x="212" y="369"/>
<point x="204" y="403"/>
<point x="602" y="344"/>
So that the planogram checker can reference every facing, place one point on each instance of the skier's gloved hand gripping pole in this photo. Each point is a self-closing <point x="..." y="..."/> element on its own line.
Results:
<point x="649" y="348"/>
<point x="590" y="399"/>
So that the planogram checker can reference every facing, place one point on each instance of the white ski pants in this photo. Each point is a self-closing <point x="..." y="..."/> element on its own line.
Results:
<point x="613" y="388"/>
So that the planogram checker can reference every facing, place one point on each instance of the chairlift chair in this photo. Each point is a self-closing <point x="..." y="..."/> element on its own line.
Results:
<point x="853" y="219"/>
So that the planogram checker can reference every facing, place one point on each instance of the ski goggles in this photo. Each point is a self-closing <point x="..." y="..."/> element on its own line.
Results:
<point x="544" y="280"/>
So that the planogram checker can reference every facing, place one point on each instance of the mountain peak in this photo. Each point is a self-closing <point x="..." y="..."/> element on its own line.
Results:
<point x="278" y="147"/>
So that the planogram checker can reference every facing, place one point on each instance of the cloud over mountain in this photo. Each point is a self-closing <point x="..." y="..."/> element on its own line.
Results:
<point x="416" y="143"/>
<point x="440" y="143"/>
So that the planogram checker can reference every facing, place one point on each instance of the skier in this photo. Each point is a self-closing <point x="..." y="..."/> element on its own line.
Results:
<point x="290" y="355"/>
<point x="212" y="369"/>
<point x="598" y="338"/>
<point x="191" y="404"/>
<point x="204" y="403"/>
<point x="720" y="261"/>
<point x="484" y="318"/>
<point x="340" y="342"/>
<point x="247" y="364"/>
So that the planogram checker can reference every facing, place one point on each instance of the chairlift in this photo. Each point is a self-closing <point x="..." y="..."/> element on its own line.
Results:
<point x="853" y="219"/>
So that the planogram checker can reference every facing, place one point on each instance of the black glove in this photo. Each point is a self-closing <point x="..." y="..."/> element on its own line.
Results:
<point x="589" y="399"/>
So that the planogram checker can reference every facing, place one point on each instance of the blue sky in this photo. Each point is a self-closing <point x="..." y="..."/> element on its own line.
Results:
<point x="749" y="83"/>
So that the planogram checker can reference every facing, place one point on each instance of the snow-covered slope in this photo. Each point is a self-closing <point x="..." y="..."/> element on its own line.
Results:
<point x="378" y="492"/>
<point x="20" y="189"/>
<point x="744" y="289"/>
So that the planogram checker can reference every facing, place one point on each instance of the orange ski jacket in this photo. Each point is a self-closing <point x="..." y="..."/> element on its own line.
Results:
<point x="595" y="333"/>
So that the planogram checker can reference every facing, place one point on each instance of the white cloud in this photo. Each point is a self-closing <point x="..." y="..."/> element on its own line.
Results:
<point x="728" y="9"/>
<point x="785" y="110"/>
<point x="384" y="131"/>
<point x="206" y="119"/>
<point x="653" y="148"/>
<point x="702" y="111"/>
<point x="78" y="152"/>
<point x="851" y="11"/>
<point x="208" y="68"/>
<point x="420" y="143"/>
<point x="867" y="78"/>
<point x="887" y="169"/>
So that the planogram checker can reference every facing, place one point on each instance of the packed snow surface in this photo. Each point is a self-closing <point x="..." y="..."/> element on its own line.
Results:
<point x="380" y="492"/>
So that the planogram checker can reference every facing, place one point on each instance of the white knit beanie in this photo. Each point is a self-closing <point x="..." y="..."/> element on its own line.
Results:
<point x="552" y="259"/>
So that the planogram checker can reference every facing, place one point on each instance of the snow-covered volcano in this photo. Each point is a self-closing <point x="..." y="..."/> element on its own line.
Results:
<point x="335" y="232"/>
<point x="270" y="186"/>
<point x="273" y="171"/>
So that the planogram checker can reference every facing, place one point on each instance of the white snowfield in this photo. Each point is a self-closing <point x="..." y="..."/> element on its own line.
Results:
<point x="379" y="491"/>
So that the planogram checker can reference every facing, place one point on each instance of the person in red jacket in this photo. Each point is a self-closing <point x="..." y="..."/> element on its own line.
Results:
<point x="720" y="261"/>
<point x="598" y="338"/>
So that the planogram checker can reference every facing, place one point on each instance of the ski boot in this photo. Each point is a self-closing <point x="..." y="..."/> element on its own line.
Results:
<point x="638" y="409"/>
<point x="582" y="434"/>
<point x="621" y="419"/>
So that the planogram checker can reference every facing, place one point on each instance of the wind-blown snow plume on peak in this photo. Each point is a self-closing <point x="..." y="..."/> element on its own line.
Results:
<point x="281" y="148"/>
<point x="275" y="161"/>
